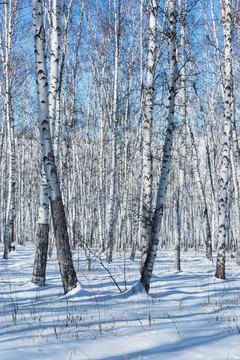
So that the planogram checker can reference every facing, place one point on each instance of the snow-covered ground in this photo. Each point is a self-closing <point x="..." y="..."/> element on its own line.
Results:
<point x="188" y="315"/>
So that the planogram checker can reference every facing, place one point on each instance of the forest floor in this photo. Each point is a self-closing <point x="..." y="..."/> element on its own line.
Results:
<point x="187" y="315"/>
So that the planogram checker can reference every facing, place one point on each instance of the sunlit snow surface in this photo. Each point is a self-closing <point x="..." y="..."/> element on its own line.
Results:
<point x="188" y="315"/>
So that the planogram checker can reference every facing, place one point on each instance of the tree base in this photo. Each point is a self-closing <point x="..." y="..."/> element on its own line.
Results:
<point x="5" y="255"/>
<point x="68" y="274"/>
<point x="37" y="280"/>
<point x="40" y="261"/>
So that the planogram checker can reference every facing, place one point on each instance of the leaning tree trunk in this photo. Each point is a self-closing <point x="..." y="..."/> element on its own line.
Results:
<point x="64" y="256"/>
<point x="224" y="177"/>
<point x="167" y="150"/>
<point x="42" y="235"/>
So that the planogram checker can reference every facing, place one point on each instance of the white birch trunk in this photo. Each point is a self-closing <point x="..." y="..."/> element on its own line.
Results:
<point x="177" y="245"/>
<point x="235" y="159"/>
<point x="114" y="136"/>
<point x="166" y="160"/>
<point x="39" y="269"/>
<point x="147" y="136"/>
<point x="197" y="170"/>
<point x="9" y="214"/>
<point x="224" y="175"/>
<point x="9" y="229"/>
<point x="182" y="150"/>
<point x="42" y="235"/>
<point x="138" y="239"/>
<point x="67" y="271"/>
<point x="101" y="212"/>
<point x="54" y="66"/>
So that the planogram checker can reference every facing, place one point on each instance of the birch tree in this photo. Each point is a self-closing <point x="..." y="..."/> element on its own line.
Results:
<point x="54" y="65"/>
<point x="166" y="159"/>
<point x="224" y="175"/>
<point x="147" y="135"/>
<point x="7" y="20"/>
<point x="42" y="234"/>
<point x="183" y="136"/>
<point x="64" y="256"/>
<point x="197" y="173"/>
<point x="114" y="133"/>
<point x="235" y="162"/>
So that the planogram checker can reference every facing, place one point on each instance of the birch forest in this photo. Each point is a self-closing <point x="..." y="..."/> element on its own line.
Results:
<point x="119" y="124"/>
